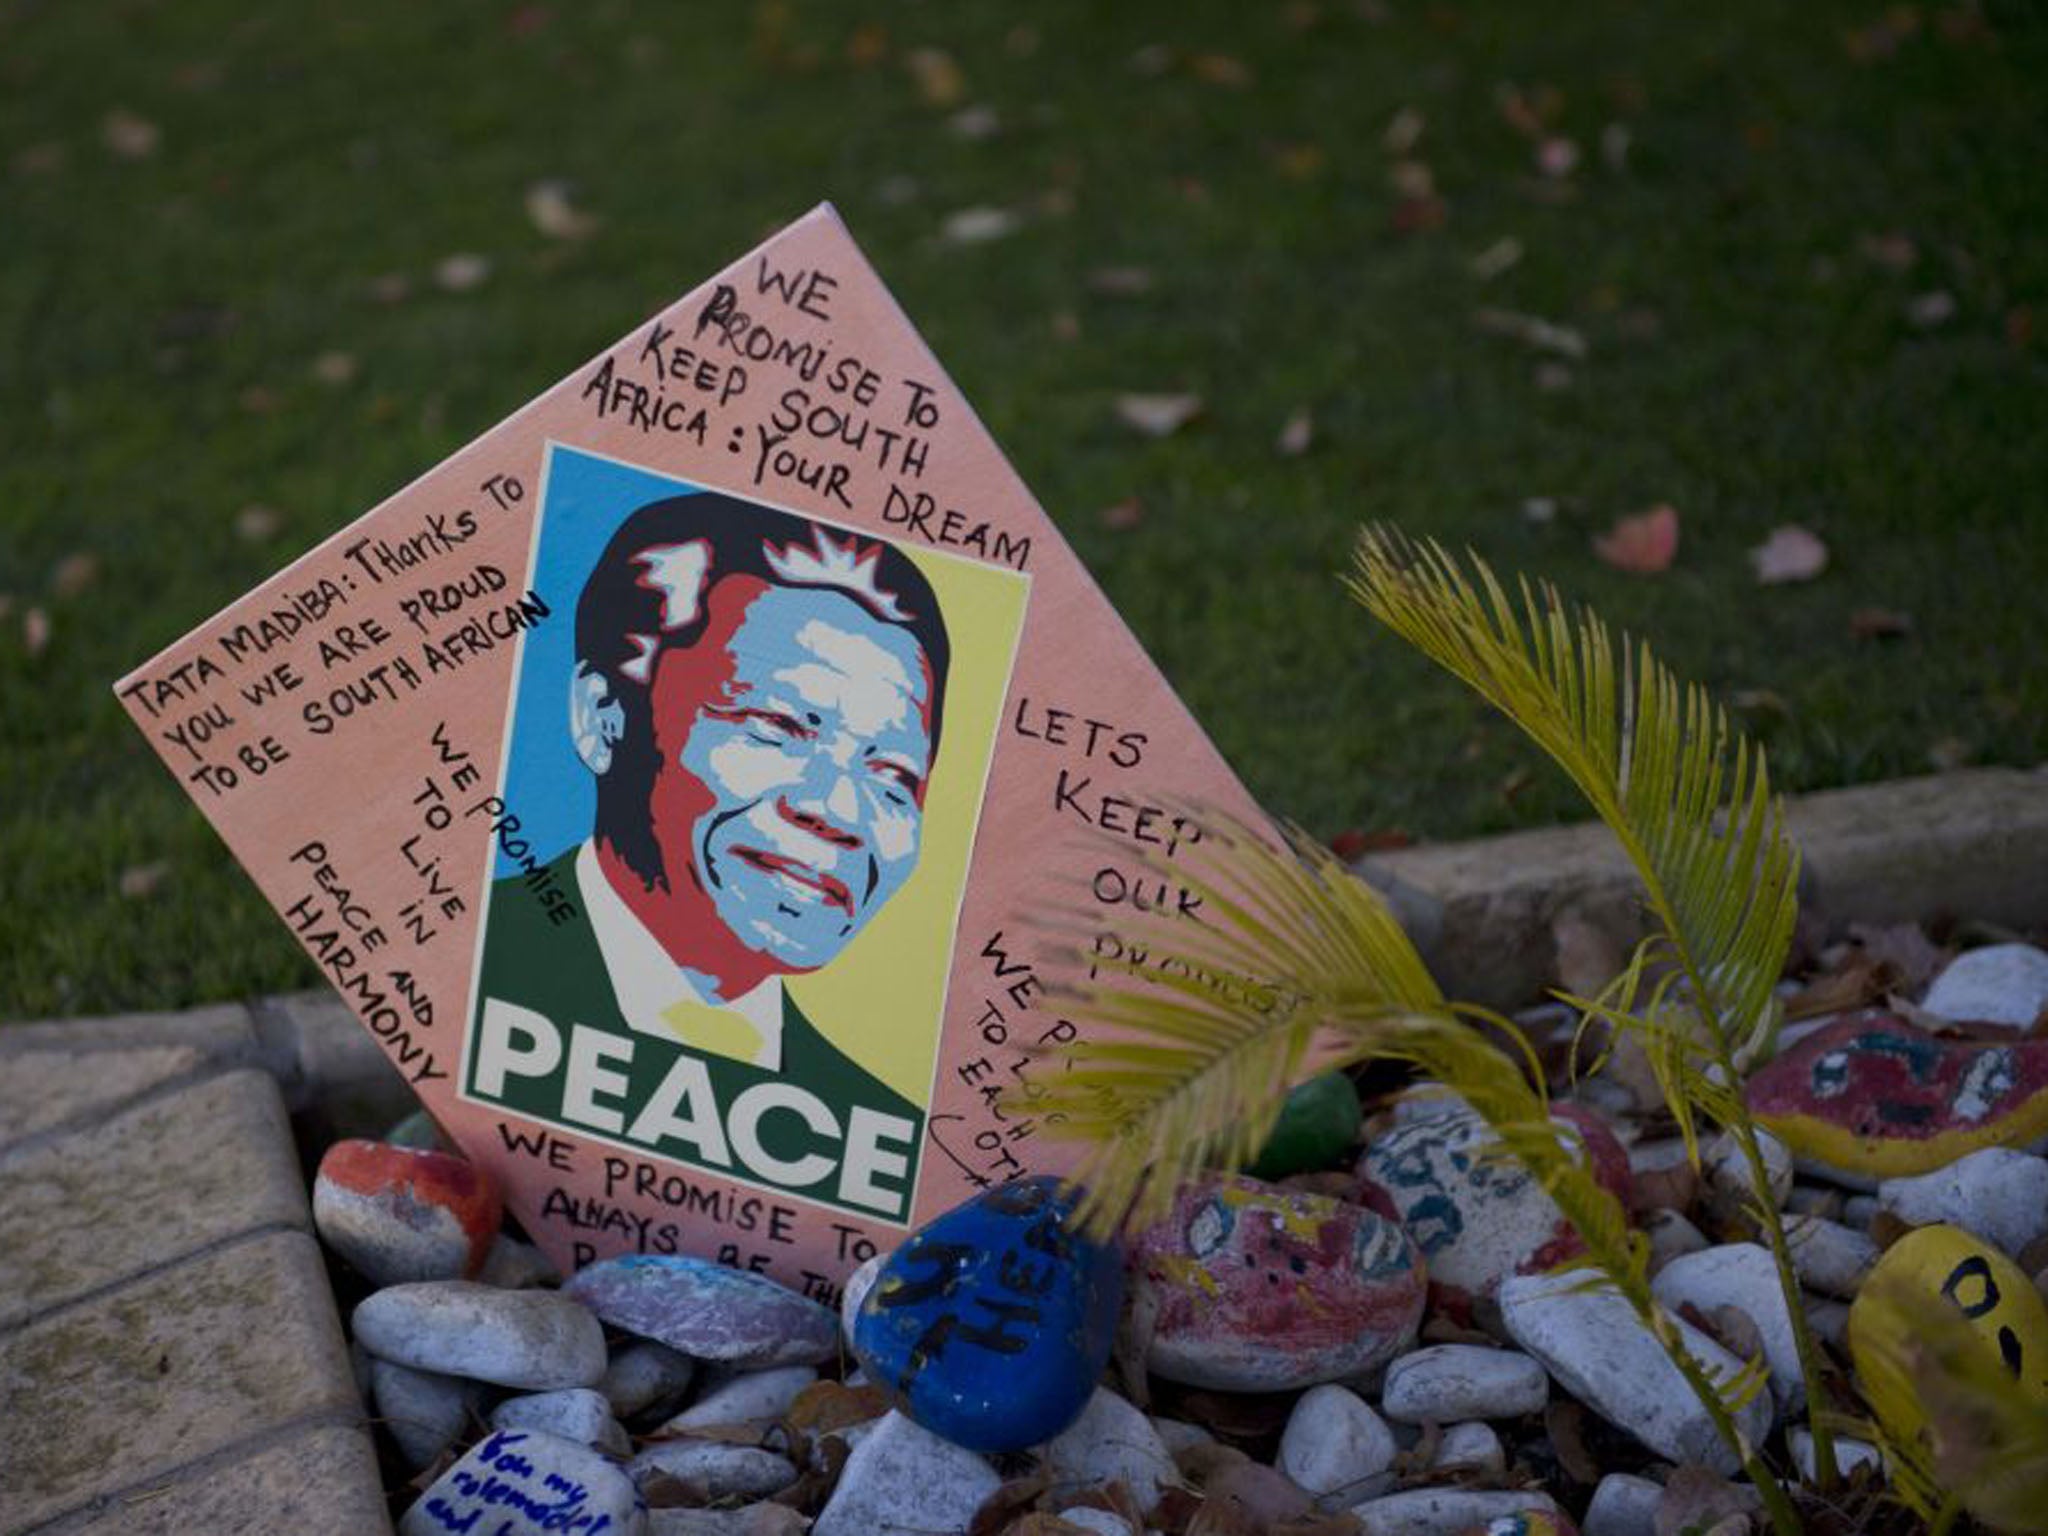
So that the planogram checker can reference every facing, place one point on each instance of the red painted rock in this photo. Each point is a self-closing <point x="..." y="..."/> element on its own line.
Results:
<point x="1479" y="1218"/>
<point x="400" y="1214"/>
<point x="1259" y="1289"/>
<point x="1870" y="1097"/>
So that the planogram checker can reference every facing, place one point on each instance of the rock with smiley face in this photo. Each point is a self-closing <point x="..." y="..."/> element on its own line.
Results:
<point x="1871" y="1098"/>
<point x="1478" y="1217"/>
<point x="1259" y="1289"/>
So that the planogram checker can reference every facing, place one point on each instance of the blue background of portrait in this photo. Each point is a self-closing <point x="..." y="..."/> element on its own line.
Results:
<point x="546" y="785"/>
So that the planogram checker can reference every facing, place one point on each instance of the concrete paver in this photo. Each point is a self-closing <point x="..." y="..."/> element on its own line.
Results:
<point x="156" y="1181"/>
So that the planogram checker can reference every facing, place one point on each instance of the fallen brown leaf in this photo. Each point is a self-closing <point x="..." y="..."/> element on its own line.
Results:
<point x="128" y="135"/>
<point x="1642" y="545"/>
<point x="1121" y="516"/>
<point x="1415" y="215"/>
<point x="35" y="631"/>
<point x="1299" y="161"/>
<point x="1893" y="250"/>
<point x="74" y="573"/>
<point x="938" y="78"/>
<point x="1411" y="179"/>
<point x="1879" y="624"/>
<point x="1557" y="157"/>
<point x="1120" y="282"/>
<point x="555" y="215"/>
<point x="1696" y="1498"/>
<point x="335" y="368"/>
<point x="1791" y="553"/>
<point x="867" y="45"/>
<point x="462" y="272"/>
<point x="1544" y="335"/>
<point x="1928" y="310"/>
<point x="1403" y="131"/>
<point x="1007" y="1502"/>
<point x="1157" y="415"/>
<point x="140" y="881"/>
<point x="1297" y="433"/>
<point x="1565" y="1422"/>
<point x="825" y="1406"/>
<point x="978" y="226"/>
<point x="1223" y="69"/>
<point x="1496" y="258"/>
<point x="43" y="159"/>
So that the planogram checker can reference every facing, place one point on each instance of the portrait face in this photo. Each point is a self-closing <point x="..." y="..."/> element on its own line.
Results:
<point x="793" y="747"/>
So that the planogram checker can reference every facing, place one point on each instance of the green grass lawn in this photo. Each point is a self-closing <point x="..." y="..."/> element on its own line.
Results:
<point x="1744" y="280"/>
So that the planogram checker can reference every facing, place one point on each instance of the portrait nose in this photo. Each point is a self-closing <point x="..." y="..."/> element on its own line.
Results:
<point x="829" y="810"/>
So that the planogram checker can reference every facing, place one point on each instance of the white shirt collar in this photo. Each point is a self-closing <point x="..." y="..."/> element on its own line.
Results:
<point x="657" y="998"/>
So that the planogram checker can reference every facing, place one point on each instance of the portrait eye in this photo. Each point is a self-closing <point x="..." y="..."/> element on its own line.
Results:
<point x="898" y="777"/>
<point x="768" y="725"/>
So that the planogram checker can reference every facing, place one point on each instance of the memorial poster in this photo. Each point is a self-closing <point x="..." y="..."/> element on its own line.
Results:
<point x="670" y="779"/>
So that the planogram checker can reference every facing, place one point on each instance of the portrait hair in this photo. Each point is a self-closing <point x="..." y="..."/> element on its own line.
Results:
<point x="649" y="593"/>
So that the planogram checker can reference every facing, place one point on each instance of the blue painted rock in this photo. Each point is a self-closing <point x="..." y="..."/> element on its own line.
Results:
<point x="991" y="1325"/>
<point x="1257" y="1289"/>
<point x="399" y="1214"/>
<point x="707" y="1311"/>
<point x="1480" y="1218"/>
<point x="1870" y="1097"/>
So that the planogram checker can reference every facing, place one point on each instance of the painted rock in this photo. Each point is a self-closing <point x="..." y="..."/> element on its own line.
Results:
<point x="1527" y="1522"/>
<point x="990" y="1325"/>
<point x="1999" y="984"/>
<point x="1479" y="1218"/>
<point x="1870" y="1097"/>
<point x="398" y="1214"/>
<point x="1945" y="1266"/>
<point x="707" y="1311"/>
<point x="1317" y="1125"/>
<point x="526" y="1483"/>
<point x="1258" y="1289"/>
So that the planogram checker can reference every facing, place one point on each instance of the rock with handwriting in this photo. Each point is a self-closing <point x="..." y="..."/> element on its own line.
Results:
<point x="991" y="1325"/>
<point x="708" y="1311"/>
<point x="1258" y="1289"/>
<point x="1871" y="1097"/>
<point x="1478" y="1217"/>
<point x="399" y="1213"/>
<point x="527" y="1483"/>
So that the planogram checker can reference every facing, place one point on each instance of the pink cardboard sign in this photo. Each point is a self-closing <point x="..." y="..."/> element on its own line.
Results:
<point x="668" y="779"/>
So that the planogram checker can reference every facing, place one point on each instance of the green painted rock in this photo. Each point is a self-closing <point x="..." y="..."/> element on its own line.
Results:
<point x="1317" y="1127"/>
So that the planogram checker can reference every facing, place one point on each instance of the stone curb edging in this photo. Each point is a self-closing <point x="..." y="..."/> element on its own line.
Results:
<point x="170" y="1354"/>
<point x="1973" y="842"/>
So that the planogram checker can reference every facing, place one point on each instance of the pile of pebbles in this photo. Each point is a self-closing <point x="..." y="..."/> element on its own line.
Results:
<point x="1374" y="1337"/>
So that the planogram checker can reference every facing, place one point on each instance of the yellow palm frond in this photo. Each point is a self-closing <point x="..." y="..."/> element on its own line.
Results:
<point x="1688" y="797"/>
<point x="1198" y="1030"/>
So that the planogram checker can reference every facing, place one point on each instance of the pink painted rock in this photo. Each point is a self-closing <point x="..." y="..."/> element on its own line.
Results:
<point x="1870" y="1097"/>
<point x="707" y="1311"/>
<point x="1479" y="1219"/>
<point x="401" y="1214"/>
<point x="1259" y="1289"/>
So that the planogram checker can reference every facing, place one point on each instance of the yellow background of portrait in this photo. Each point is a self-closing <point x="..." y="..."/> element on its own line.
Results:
<point x="881" y="1002"/>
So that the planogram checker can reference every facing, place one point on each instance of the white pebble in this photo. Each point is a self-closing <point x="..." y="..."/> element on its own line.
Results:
<point x="1997" y="1193"/>
<point x="424" y="1413"/>
<point x="1999" y="984"/>
<point x="720" y="1470"/>
<point x="747" y="1398"/>
<point x="1463" y="1381"/>
<point x="642" y="1374"/>
<point x="539" y="1340"/>
<point x="1471" y="1446"/>
<point x="1110" y="1442"/>
<point x="1592" y="1342"/>
<point x="1671" y="1236"/>
<point x="1850" y="1453"/>
<point x="1743" y="1276"/>
<point x="1333" y="1444"/>
<point x="1447" y="1511"/>
<point x="905" y="1476"/>
<point x="1827" y="1255"/>
<point x="574" y="1413"/>
<point x="1623" y="1505"/>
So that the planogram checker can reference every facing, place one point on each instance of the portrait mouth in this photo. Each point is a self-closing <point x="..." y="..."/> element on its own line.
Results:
<point x="833" y="890"/>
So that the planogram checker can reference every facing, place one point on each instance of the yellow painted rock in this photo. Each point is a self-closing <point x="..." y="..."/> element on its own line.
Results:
<point x="1871" y="1097"/>
<point x="1944" y="1267"/>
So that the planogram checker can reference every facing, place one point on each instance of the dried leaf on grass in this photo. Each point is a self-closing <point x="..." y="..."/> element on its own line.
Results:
<point x="128" y="135"/>
<point x="1297" y="433"/>
<point x="1008" y="1502"/>
<point x="140" y="881"/>
<point x="554" y="213"/>
<point x="74" y="573"/>
<point x="1544" y="335"/>
<point x="1122" y="516"/>
<point x="1642" y="545"/>
<point x="1791" y="553"/>
<point x="1157" y="415"/>
<point x="938" y="77"/>
<point x="825" y="1406"/>
<point x="461" y="272"/>
<point x="978" y="226"/>
<point x="35" y="631"/>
